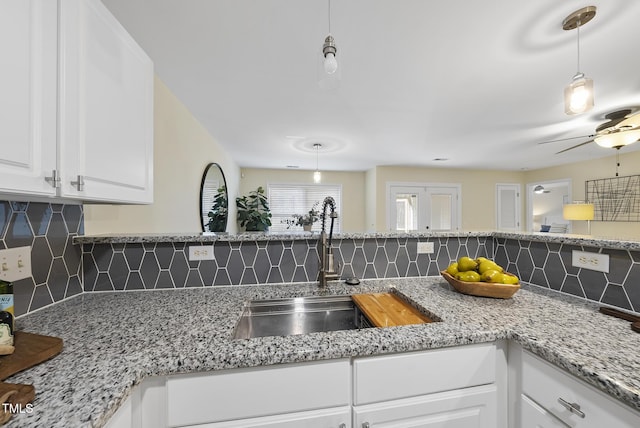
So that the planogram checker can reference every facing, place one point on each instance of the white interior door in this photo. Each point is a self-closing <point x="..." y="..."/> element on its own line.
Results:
<point x="420" y="207"/>
<point x="508" y="206"/>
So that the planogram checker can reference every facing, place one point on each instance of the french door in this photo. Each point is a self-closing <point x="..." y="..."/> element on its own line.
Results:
<point x="421" y="207"/>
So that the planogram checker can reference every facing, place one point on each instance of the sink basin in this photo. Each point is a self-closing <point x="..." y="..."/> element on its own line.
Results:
<point x="299" y="315"/>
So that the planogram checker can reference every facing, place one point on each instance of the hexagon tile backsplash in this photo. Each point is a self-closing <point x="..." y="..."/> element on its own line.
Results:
<point x="61" y="269"/>
<point x="55" y="261"/>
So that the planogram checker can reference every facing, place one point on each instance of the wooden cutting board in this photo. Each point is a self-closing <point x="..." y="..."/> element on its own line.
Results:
<point x="30" y="349"/>
<point x="388" y="310"/>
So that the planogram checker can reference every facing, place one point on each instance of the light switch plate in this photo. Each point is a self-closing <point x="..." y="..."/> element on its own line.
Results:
<point x="15" y="263"/>
<point x="425" y="248"/>
<point x="201" y="252"/>
<point x="592" y="261"/>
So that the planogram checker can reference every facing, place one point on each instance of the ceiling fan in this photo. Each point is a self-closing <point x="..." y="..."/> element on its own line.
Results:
<point x="620" y="123"/>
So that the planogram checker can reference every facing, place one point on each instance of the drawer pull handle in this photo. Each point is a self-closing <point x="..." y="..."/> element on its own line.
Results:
<point x="572" y="407"/>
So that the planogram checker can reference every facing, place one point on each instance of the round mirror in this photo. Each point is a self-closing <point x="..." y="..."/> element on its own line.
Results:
<point x="214" y="201"/>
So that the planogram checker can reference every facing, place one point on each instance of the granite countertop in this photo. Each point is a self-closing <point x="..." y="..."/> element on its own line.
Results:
<point x="586" y="240"/>
<point x="114" y="340"/>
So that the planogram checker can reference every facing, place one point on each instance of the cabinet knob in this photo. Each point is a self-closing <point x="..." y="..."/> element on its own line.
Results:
<point x="343" y="425"/>
<point x="572" y="407"/>
<point x="365" y="425"/>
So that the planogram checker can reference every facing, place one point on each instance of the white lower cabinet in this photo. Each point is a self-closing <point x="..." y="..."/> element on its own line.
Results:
<point x="546" y="396"/>
<point x="462" y="408"/>
<point x="451" y="387"/>
<point x="532" y="415"/>
<point x="292" y="395"/>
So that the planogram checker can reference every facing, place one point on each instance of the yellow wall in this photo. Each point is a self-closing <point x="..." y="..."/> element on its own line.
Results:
<point x="182" y="150"/>
<point x="478" y="191"/>
<point x="352" y="212"/>
<point x="580" y="172"/>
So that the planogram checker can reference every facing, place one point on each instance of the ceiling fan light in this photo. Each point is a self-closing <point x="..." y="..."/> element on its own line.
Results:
<point x="618" y="139"/>
<point x="578" y="95"/>
<point x="538" y="189"/>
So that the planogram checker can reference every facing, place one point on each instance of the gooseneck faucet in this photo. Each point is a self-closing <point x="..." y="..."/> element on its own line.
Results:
<point x="327" y="269"/>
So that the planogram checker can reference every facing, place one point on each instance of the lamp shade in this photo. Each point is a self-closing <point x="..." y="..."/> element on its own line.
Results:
<point x="618" y="139"/>
<point x="580" y="211"/>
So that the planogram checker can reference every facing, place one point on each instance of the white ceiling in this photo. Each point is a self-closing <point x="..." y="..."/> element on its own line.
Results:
<point x="479" y="83"/>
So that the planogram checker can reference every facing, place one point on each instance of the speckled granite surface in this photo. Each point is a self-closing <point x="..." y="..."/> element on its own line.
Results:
<point x="114" y="340"/>
<point x="587" y="240"/>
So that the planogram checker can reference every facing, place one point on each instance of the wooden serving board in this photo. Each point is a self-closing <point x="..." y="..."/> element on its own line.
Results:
<point x="30" y="349"/>
<point x="388" y="310"/>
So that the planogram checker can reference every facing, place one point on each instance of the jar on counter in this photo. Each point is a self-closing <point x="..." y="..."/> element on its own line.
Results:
<point x="7" y="315"/>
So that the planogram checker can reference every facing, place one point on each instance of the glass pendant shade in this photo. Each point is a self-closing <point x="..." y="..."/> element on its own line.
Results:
<point x="317" y="176"/>
<point x="578" y="95"/>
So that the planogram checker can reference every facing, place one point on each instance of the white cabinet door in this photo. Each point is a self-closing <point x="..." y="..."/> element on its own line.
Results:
<point x="28" y="33"/>
<point x="241" y="394"/>
<point x="464" y="408"/>
<point x="105" y="108"/>
<point x="534" y="416"/>
<point x="339" y="417"/>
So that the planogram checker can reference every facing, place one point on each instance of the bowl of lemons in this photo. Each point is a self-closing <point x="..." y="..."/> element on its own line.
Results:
<point x="481" y="277"/>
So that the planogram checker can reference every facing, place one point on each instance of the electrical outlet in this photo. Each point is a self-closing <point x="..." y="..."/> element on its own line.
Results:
<point x="15" y="263"/>
<point x="201" y="252"/>
<point x="425" y="248"/>
<point x="592" y="261"/>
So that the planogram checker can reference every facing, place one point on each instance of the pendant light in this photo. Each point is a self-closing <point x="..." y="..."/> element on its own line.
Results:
<point x="329" y="49"/>
<point x="317" y="176"/>
<point x="578" y="94"/>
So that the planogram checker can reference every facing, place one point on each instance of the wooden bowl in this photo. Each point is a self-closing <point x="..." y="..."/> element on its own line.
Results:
<point x="483" y="289"/>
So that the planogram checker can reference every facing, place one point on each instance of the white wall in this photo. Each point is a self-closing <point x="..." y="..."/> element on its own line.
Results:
<point x="182" y="150"/>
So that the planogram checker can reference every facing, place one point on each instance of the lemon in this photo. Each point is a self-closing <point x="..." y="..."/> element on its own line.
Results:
<point x="486" y="265"/>
<point x="510" y="279"/>
<point x="452" y="269"/>
<point x="468" y="276"/>
<point x="492" y="275"/>
<point x="466" y="264"/>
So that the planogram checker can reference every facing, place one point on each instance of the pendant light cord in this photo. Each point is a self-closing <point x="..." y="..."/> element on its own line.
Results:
<point x="329" y="16"/>
<point x="578" y="28"/>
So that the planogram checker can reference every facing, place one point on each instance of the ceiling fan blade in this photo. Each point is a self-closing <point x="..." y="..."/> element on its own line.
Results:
<point x="568" y="138"/>
<point x="574" y="147"/>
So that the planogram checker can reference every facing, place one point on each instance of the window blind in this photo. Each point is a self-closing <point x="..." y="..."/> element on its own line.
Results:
<point x="209" y="192"/>
<point x="287" y="199"/>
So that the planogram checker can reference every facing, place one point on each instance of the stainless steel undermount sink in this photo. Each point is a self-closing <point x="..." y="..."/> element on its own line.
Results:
<point x="299" y="315"/>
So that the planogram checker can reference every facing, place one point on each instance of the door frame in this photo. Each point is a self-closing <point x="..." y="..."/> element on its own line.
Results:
<point x="390" y="184"/>
<point x="530" y="187"/>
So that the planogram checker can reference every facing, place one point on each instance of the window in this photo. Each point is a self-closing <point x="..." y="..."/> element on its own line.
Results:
<point x="287" y="199"/>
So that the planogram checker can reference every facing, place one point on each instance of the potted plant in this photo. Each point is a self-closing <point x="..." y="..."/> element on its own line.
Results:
<point x="305" y="220"/>
<point x="253" y="211"/>
<point x="219" y="212"/>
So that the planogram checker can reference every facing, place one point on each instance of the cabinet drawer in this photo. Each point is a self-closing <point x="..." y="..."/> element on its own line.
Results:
<point x="546" y="384"/>
<point x="419" y="373"/>
<point x="469" y="407"/>
<point x="247" y="393"/>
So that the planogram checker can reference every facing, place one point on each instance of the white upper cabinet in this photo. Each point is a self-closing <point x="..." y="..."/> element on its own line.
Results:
<point x="105" y="108"/>
<point x="28" y="32"/>
<point x="77" y="105"/>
